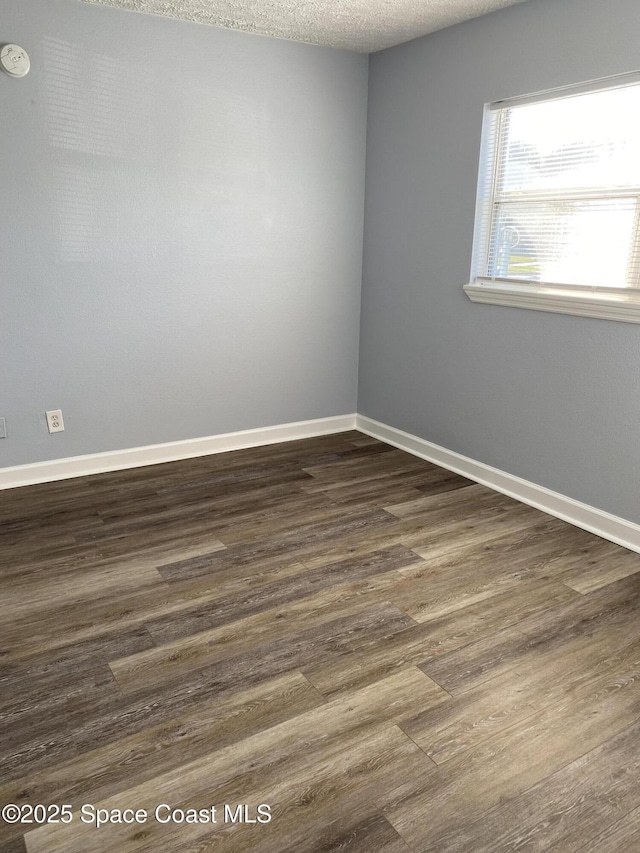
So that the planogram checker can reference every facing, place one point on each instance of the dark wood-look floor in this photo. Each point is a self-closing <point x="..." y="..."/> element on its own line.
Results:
<point x="391" y="657"/>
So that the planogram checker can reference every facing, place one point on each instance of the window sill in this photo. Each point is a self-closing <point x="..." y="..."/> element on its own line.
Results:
<point x="617" y="305"/>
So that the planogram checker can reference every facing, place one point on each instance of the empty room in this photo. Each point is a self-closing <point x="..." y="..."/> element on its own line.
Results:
<point x="319" y="403"/>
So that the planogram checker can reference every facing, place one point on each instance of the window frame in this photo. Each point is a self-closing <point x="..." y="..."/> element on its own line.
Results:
<point x="583" y="300"/>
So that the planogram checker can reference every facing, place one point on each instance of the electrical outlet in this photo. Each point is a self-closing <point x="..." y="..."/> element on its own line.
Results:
<point x="54" y="421"/>
<point x="3" y="428"/>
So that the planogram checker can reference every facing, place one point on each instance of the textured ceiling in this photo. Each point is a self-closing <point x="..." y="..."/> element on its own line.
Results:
<point x="362" y="25"/>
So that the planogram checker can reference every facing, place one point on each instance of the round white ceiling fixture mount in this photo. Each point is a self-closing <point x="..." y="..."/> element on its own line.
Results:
<point x="14" y="60"/>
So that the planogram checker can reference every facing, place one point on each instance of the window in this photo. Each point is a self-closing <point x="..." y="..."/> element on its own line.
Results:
<point x="558" y="213"/>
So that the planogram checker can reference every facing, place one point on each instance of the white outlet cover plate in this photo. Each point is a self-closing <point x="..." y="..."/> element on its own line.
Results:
<point x="15" y="60"/>
<point x="55" y="421"/>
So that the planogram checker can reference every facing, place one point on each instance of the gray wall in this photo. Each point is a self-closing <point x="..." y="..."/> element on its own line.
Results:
<point x="551" y="398"/>
<point x="180" y="230"/>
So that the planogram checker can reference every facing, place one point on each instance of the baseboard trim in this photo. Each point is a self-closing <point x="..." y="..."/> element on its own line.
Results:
<point x="603" y="524"/>
<point x="597" y="521"/>
<point x="153" y="454"/>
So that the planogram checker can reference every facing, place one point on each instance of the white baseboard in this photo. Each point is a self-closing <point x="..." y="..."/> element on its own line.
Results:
<point x="135" y="457"/>
<point x="603" y="524"/>
<point x="597" y="521"/>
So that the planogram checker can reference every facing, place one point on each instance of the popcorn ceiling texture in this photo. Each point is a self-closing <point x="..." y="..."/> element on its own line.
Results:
<point x="361" y="25"/>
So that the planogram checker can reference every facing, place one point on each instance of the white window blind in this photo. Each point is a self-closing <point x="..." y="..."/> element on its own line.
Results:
<point x="559" y="191"/>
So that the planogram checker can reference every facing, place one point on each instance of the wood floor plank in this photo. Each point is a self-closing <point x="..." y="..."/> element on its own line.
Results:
<point x="515" y="759"/>
<point x="515" y="693"/>
<point x="621" y="836"/>
<point x="413" y="645"/>
<point x="476" y="571"/>
<point x="449" y="730"/>
<point x="293" y="545"/>
<point x="389" y="487"/>
<point x="596" y="566"/>
<point x="296" y="585"/>
<point x="450" y="505"/>
<point x="571" y="618"/>
<point x="308" y="801"/>
<point x="15" y="845"/>
<point x="280" y="624"/>
<point x="450" y="532"/>
<point x="558" y="813"/>
<point x="326" y="734"/>
<point x="362" y="440"/>
<point x="215" y="577"/>
<point x="395" y="659"/>
<point x="373" y="833"/>
<point x="363" y="494"/>
<point x="292" y="518"/>
<point x="541" y="548"/>
<point x="34" y="594"/>
<point x="358" y="470"/>
<point x="208" y="725"/>
<point x="363" y="769"/>
<point x="53" y="677"/>
<point x="88" y="722"/>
